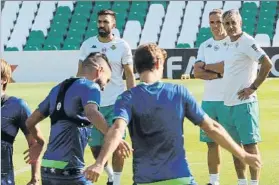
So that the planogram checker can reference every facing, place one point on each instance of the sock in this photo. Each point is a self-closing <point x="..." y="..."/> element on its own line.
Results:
<point x="242" y="182"/>
<point x="214" y="179"/>
<point x="254" y="182"/>
<point x="109" y="171"/>
<point x="116" y="178"/>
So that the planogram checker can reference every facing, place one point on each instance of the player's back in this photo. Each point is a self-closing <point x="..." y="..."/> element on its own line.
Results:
<point x="67" y="139"/>
<point x="156" y="130"/>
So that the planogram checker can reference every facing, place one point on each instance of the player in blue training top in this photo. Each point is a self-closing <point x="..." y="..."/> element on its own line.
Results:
<point x="154" y="112"/>
<point x="72" y="106"/>
<point x="14" y="113"/>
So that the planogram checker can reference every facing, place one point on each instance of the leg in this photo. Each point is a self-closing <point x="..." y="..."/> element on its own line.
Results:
<point x="213" y="154"/>
<point x="253" y="149"/>
<point x="213" y="158"/>
<point x="247" y="122"/>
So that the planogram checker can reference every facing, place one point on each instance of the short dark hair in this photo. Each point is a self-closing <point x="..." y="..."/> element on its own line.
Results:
<point x="146" y="55"/>
<point x="93" y="58"/>
<point x="216" y="11"/>
<point x="107" y="12"/>
<point x="230" y="12"/>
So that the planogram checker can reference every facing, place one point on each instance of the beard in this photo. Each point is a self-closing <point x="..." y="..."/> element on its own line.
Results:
<point x="100" y="83"/>
<point x="103" y="33"/>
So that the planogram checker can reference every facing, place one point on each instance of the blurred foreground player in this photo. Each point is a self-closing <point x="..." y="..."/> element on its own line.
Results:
<point x="14" y="113"/>
<point x="71" y="105"/>
<point x="154" y="112"/>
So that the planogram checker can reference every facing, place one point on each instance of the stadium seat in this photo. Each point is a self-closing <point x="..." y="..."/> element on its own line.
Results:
<point x="132" y="33"/>
<point x="275" y="42"/>
<point x="120" y="6"/>
<point x="183" y="45"/>
<point x="44" y="16"/>
<point x="11" y="49"/>
<point x="191" y="21"/>
<point x="8" y="17"/>
<point x="257" y="3"/>
<point x="24" y="22"/>
<point x="154" y="20"/>
<point x="164" y="3"/>
<point x="171" y="25"/>
<point x="209" y="6"/>
<point x="263" y="40"/>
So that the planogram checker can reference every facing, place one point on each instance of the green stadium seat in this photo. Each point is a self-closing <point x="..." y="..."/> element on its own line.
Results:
<point x="73" y="40"/>
<point x="54" y="40"/>
<point x="164" y="3"/>
<point x="183" y="45"/>
<point x="62" y="13"/>
<point x="36" y="37"/>
<point x="137" y="16"/>
<point x="75" y="32"/>
<point x="90" y="33"/>
<point x="11" y="49"/>
<point x="248" y="29"/>
<point x="83" y="6"/>
<point x="268" y="4"/>
<point x="78" y="25"/>
<point x="52" y="47"/>
<point x="265" y="29"/>
<point x="139" y="5"/>
<point x="249" y="6"/>
<point x="70" y="47"/>
<point x="33" y="47"/>
<point x="60" y="24"/>
<point x="80" y="17"/>
<point x="99" y="5"/>
<point x="57" y="32"/>
<point x="121" y="4"/>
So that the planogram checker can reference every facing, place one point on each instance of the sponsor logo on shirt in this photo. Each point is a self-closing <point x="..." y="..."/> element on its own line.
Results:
<point x="113" y="47"/>
<point x="216" y="48"/>
<point x="255" y="47"/>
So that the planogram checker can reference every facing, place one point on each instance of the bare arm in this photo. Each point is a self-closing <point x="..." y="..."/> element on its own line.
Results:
<point x="266" y="66"/>
<point x="95" y="117"/>
<point x="130" y="77"/>
<point x="217" y="67"/>
<point x="35" y="167"/>
<point x="200" y="72"/>
<point x="31" y="123"/>
<point x="79" y="72"/>
<point x="112" y="140"/>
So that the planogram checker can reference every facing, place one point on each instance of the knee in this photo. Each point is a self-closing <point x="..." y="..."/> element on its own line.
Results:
<point x="251" y="148"/>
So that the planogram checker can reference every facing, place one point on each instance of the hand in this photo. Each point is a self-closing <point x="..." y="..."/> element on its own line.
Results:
<point x="252" y="160"/>
<point x="245" y="93"/>
<point x="124" y="149"/>
<point x="93" y="172"/>
<point x="33" y="153"/>
<point x="34" y="181"/>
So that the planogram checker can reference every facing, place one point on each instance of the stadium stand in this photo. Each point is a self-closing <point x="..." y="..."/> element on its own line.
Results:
<point x="64" y="25"/>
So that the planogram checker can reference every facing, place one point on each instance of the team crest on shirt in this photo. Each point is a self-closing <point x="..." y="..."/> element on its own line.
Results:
<point x="113" y="47"/>
<point x="58" y="107"/>
<point x="216" y="48"/>
<point x="104" y="50"/>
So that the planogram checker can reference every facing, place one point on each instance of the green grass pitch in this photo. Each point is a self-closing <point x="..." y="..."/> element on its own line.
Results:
<point x="268" y="93"/>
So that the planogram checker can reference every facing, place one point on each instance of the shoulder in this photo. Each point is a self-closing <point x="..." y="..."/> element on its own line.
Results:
<point x="88" y="42"/>
<point x="19" y="103"/>
<point x="207" y="44"/>
<point x="121" y="42"/>
<point x="247" y="39"/>
<point x="84" y="83"/>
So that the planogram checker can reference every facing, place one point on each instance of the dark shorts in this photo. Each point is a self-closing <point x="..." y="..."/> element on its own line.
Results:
<point x="7" y="170"/>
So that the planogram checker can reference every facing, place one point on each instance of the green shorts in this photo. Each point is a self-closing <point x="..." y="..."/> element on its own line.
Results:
<point x="243" y="123"/>
<point x="217" y="111"/>
<point x="97" y="138"/>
